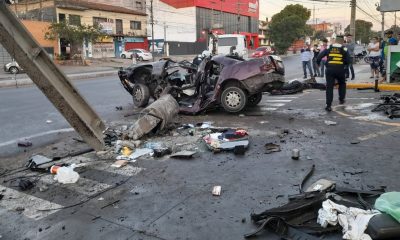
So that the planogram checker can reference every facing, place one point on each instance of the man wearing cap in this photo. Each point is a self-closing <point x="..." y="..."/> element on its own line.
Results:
<point x="337" y="59"/>
<point x="350" y="45"/>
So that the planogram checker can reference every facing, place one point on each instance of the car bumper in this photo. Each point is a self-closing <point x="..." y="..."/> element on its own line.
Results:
<point x="5" y="68"/>
<point x="147" y="58"/>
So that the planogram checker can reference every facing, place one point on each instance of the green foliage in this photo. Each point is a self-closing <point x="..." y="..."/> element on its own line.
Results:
<point x="289" y="25"/>
<point x="73" y="34"/>
<point x="363" y="31"/>
<point x="319" y="35"/>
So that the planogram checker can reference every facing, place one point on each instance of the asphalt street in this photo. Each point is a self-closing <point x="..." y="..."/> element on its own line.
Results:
<point x="25" y="111"/>
<point x="171" y="199"/>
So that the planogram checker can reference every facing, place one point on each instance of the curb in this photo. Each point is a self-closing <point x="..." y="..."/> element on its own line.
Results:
<point x="384" y="86"/>
<point x="77" y="76"/>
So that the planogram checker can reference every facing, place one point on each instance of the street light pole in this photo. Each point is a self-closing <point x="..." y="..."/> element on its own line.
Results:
<point x="152" y="28"/>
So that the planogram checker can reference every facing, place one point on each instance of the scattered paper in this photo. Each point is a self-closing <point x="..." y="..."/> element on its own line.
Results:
<point x="216" y="191"/>
<point x="330" y="123"/>
<point x="119" y="163"/>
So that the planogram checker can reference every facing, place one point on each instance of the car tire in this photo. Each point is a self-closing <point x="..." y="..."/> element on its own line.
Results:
<point x="123" y="56"/>
<point x="141" y="95"/>
<point x="141" y="59"/>
<point x="14" y="70"/>
<point x="233" y="99"/>
<point x="254" y="99"/>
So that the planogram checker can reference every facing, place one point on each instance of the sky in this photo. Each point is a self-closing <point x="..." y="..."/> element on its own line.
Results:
<point x="332" y="11"/>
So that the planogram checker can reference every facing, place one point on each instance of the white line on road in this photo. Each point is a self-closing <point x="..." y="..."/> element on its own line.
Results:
<point x="276" y="104"/>
<point x="280" y="100"/>
<point x="278" y="97"/>
<point x="64" y="130"/>
<point x="269" y="109"/>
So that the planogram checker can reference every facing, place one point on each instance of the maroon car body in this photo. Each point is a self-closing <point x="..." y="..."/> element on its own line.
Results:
<point x="222" y="81"/>
<point x="263" y="51"/>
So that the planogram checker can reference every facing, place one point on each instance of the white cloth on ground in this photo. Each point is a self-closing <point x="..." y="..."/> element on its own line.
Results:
<point x="354" y="221"/>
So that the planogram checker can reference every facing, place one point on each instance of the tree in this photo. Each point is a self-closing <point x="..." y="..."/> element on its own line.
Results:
<point x="75" y="35"/>
<point x="363" y="31"/>
<point x="289" y="25"/>
<point x="319" y="35"/>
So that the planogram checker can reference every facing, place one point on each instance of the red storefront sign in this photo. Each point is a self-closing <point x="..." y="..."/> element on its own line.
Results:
<point x="244" y="7"/>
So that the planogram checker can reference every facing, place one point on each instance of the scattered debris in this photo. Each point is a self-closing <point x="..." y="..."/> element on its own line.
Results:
<point x="139" y="152"/>
<point x="295" y="154"/>
<point x="330" y="123"/>
<point x="43" y="188"/>
<point x="48" y="121"/>
<point x="25" y="184"/>
<point x="309" y="158"/>
<point x="110" y="204"/>
<point x="119" y="163"/>
<point x="321" y="185"/>
<point x="24" y="143"/>
<point x="100" y="199"/>
<point x="271" y="147"/>
<point x="183" y="154"/>
<point x="354" y="171"/>
<point x="66" y="175"/>
<point x="383" y="226"/>
<point x="355" y="142"/>
<point x="118" y="108"/>
<point x="159" y="149"/>
<point x="239" y="150"/>
<point x="389" y="203"/>
<point x="37" y="160"/>
<point x="390" y="105"/>
<point x="216" y="191"/>
<point x="227" y="140"/>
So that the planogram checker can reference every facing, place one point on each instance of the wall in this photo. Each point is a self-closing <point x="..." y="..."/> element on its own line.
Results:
<point x="4" y="57"/>
<point x="38" y="30"/>
<point x="181" y="23"/>
<point x="131" y="4"/>
<point x="87" y="19"/>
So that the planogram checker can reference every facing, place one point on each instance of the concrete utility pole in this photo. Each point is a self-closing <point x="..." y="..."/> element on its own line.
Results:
<point x="152" y="28"/>
<point x="238" y="16"/>
<point x="16" y="39"/>
<point x="353" y="5"/>
<point x="166" y="49"/>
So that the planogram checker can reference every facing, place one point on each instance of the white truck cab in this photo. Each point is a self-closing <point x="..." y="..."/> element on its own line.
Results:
<point x="230" y="42"/>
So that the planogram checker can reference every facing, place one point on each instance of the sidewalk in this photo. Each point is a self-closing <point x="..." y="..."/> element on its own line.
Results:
<point x="363" y="80"/>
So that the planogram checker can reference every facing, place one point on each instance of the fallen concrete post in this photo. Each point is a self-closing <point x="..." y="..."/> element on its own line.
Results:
<point x="156" y="116"/>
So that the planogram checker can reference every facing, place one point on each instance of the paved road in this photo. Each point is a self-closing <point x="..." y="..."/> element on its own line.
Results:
<point x="24" y="111"/>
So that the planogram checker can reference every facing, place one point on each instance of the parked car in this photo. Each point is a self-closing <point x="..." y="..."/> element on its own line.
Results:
<point x="143" y="55"/>
<point x="263" y="51"/>
<point x="12" y="67"/>
<point x="229" y="82"/>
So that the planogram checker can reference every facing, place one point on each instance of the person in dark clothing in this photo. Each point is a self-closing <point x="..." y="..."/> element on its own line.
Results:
<point x="316" y="51"/>
<point x="337" y="59"/>
<point x="350" y="45"/>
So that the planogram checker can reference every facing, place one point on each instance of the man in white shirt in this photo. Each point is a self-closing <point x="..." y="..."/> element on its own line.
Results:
<point x="306" y="58"/>
<point x="375" y="55"/>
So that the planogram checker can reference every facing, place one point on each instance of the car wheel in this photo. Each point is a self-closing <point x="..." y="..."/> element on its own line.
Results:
<point x="141" y="95"/>
<point x="254" y="99"/>
<point x="141" y="59"/>
<point x="14" y="70"/>
<point x="123" y="56"/>
<point x="233" y="99"/>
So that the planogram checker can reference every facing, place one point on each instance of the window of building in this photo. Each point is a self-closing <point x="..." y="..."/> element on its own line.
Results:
<point x="61" y="17"/>
<point x="98" y="20"/>
<point x="136" y="25"/>
<point x="139" y="5"/>
<point x="119" y="26"/>
<point x="75" y="20"/>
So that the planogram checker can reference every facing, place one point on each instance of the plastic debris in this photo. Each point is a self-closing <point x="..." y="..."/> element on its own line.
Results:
<point x="330" y="123"/>
<point x="183" y="154"/>
<point x="295" y="154"/>
<point x="389" y="203"/>
<point x="25" y="184"/>
<point x="139" y="152"/>
<point x="66" y="175"/>
<point x="271" y="147"/>
<point x="119" y="163"/>
<point x="320" y="185"/>
<point x="24" y="143"/>
<point x="37" y="160"/>
<point x="48" y="121"/>
<point x="216" y="191"/>
<point x="227" y="140"/>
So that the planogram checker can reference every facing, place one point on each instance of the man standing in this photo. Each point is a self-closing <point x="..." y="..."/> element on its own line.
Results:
<point x="337" y="59"/>
<point x="350" y="49"/>
<point x="306" y="58"/>
<point x="323" y="47"/>
<point x="316" y="52"/>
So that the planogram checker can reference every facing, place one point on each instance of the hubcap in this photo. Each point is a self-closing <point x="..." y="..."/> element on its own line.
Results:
<point x="138" y="95"/>
<point x="233" y="99"/>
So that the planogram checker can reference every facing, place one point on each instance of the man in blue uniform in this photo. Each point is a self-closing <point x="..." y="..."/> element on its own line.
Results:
<point x="338" y="58"/>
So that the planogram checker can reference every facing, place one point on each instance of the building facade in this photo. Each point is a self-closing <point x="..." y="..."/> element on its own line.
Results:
<point x="125" y="28"/>
<point x="184" y="23"/>
<point x="263" y="28"/>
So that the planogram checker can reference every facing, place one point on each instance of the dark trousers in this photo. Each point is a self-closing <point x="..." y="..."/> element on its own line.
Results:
<point x="350" y="67"/>
<point x="336" y="73"/>
<point x="316" y="68"/>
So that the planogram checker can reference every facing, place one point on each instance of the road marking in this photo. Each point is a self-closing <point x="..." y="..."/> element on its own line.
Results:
<point x="277" y="97"/>
<point x="269" y="109"/>
<point x="378" y="134"/>
<point x="276" y="104"/>
<point x="277" y="101"/>
<point x="64" y="130"/>
<point x="28" y="204"/>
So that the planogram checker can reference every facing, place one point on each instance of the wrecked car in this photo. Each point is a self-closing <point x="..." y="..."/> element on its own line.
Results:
<point x="226" y="81"/>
